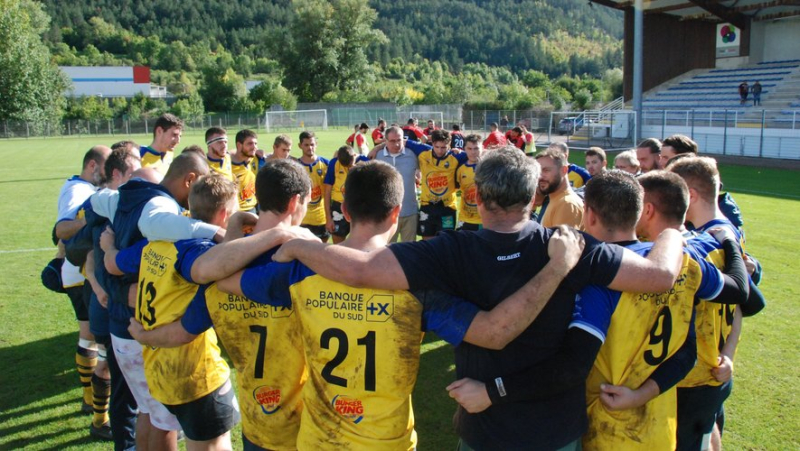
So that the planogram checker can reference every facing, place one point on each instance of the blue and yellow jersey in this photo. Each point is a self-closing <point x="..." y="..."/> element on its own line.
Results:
<point x="439" y="177"/>
<point x="577" y="176"/>
<point x="188" y="372"/>
<point x="246" y="179"/>
<point x="316" y="209"/>
<point x="265" y="347"/>
<point x="160" y="161"/>
<point x="337" y="175"/>
<point x="629" y="354"/>
<point x="468" y="208"/>
<point x="221" y="166"/>
<point x="714" y="321"/>
<point x="362" y="349"/>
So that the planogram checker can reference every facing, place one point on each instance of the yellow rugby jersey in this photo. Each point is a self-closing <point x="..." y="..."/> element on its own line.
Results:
<point x="188" y="372"/>
<point x="221" y="166"/>
<point x="246" y="179"/>
<point x="629" y="355"/>
<point x="577" y="176"/>
<point x="160" y="161"/>
<point x="713" y="322"/>
<point x="316" y="210"/>
<point x="468" y="208"/>
<point x="336" y="176"/>
<point x="265" y="347"/>
<point x="439" y="178"/>
<point x="362" y="349"/>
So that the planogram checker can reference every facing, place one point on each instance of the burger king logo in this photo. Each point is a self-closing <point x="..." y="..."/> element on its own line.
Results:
<point x="269" y="398"/>
<point x="350" y="408"/>
<point x="437" y="183"/>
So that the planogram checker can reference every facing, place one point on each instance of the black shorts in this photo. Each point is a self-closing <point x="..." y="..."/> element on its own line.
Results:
<point x="433" y="218"/>
<point x="469" y="226"/>
<point x="210" y="416"/>
<point x="79" y="297"/>
<point x="318" y="230"/>
<point x="697" y="412"/>
<point x="341" y="227"/>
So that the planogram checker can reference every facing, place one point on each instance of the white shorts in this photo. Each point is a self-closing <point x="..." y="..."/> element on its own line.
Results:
<point x="129" y="357"/>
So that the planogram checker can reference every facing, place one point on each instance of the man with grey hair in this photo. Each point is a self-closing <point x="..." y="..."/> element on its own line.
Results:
<point x="406" y="163"/>
<point x="627" y="161"/>
<point x="488" y="265"/>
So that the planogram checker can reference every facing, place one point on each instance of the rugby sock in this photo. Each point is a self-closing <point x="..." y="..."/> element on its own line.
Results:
<point x="102" y="395"/>
<point x="86" y="359"/>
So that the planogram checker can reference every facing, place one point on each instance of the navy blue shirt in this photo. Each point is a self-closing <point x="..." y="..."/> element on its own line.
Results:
<point x="487" y="266"/>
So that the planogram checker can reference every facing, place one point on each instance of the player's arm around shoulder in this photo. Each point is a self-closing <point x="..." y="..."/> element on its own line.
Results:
<point x="496" y="328"/>
<point x="657" y="272"/>
<point x="375" y="269"/>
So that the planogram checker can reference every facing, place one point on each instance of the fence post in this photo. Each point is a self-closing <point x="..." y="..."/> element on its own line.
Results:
<point x="27" y="130"/>
<point x="663" y="123"/>
<point x="761" y="144"/>
<point x="109" y="127"/>
<point x="146" y="132"/>
<point x="692" y="124"/>
<point x="725" y="135"/>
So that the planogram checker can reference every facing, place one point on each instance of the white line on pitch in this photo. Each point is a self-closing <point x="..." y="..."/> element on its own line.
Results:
<point x="765" y="193"/>
<point x="24" y="251"/>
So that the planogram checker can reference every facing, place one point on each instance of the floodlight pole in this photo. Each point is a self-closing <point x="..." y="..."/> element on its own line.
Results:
<point x="638" y="25"/>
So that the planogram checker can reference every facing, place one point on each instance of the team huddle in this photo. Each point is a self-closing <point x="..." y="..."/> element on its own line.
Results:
<point x="588" y="308"/>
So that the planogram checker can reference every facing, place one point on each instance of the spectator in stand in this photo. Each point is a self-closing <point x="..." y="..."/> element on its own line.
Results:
<point x="456" y="138"/>
<point x="495" y="138"/>
<point x="414" y="133"/>
<point x="744" y="89"/>
<point x="596" y="161"/>
<point x="648" y="152"/>
<point x="627" y="161"/>
<point x="756" y="89"/>
<point x="358" y="140"/>
<point x="431" y="127"/>
<point x="377" y="134"/>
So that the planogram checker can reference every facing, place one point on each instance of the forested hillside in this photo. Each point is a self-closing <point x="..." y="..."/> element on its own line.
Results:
<point x="554" y="36"/>
<point x="502" y="54"/>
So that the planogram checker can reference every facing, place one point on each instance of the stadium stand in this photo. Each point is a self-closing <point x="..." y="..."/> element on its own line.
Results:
<point x="718" y="88"/>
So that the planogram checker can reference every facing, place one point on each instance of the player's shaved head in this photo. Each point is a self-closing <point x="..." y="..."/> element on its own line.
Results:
<point x="701" y="175"/>
<point x="506" y="179"/>
<point x="98" y="154"/>
<point x="278" y="181"/>
<point x="616" y="198"/>
<point x="148" y="174"/>
<point x="185" y="164"/>
<point x="668" y="194"/>
<point x="210" y="194"/>
<point x="373" y="190"/>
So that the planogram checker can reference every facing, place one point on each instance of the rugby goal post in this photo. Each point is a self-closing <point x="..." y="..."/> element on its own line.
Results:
<point x="296" y="120"/>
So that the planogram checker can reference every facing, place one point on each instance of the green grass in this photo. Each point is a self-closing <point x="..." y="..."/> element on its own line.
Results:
<point x="39" y="395"/>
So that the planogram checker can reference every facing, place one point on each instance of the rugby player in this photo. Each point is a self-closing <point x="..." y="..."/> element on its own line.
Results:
<point x="438" y="166"/>
<point x="595" y="161"/>
<point x="338" y="168"/>
<point x="166" y="137"/>
<point x="648" y="152"/>
<point x="362" y="346"/>
<point x="244" y="165"/>
<point x="377" y="133"/>
<point x="562" y="205"/>
<point x="73" y="195"/>
<point x="218" y="158"/>
<point x="487" y="266"/>
<point x="576" y="175"/>
<point x="468" y="216"/>
<point x="317" y="168"/>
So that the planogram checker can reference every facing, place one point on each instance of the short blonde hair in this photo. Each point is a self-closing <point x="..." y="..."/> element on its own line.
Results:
<point x="209" y="194"/>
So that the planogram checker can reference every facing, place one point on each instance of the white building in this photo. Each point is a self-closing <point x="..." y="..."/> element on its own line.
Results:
<point x="111" y="81"/>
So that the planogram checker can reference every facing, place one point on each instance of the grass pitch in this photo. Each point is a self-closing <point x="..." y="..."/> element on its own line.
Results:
<point x="39" y="394"/>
